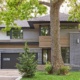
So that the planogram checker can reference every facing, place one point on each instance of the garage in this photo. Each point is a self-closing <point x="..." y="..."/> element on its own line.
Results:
<point x="9" y="60"/>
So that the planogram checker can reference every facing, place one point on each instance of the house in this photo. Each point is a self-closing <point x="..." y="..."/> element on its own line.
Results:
<point x="36" y="32"/>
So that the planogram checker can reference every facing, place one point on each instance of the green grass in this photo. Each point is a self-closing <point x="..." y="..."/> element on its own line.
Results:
<point x="44" y="76"/>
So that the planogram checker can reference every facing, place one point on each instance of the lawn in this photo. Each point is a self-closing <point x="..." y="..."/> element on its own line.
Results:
<point x="44" y="76"/>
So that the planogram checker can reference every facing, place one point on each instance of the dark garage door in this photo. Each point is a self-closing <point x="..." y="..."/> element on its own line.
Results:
<point x="9" y="60"/>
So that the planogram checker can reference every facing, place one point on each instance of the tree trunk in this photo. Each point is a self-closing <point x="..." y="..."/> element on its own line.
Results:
<point x="56" y="58"/>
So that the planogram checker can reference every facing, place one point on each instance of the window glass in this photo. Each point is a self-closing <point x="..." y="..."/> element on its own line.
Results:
<point x="45" y="56"/>
<point x="65" y="54"/>
<point x="8" y="33"/>
<point x="44" y="31"/>
<point x="69" y="27"/>
<point x="15" y="34"/>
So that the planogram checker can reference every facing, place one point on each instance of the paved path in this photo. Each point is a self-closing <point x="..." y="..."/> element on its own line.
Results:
<point x="8" y="78"/>
<point x="9" y="74"/>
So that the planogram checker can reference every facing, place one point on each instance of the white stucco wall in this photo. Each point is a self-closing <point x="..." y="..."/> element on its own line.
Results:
<point x="65" y="32"/>
<point x="3" y="36"/>
<point x="31" y="35"/>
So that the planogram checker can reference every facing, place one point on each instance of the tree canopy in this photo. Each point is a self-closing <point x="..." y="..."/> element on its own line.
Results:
<point x="74" y="10"/>
<point x="11" y="10"/>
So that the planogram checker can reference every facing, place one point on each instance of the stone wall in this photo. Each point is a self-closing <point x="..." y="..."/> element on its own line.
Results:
<point x="75" y="49"/>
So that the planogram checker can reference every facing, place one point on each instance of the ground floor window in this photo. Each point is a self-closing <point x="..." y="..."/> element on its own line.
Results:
<point x="46" y="55"/>
<point x="65" y="51"/>
<point x="36" y="56"/>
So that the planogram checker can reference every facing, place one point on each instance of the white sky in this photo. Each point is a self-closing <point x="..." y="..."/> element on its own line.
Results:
<point x="63" y="9"/>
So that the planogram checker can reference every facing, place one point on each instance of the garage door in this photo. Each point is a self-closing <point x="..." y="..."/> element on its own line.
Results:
<point x="9" y="60"/>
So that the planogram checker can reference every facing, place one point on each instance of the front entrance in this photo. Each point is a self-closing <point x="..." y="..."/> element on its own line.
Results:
<point x="46" y="55"/>
<point x="65" y="51"/>
<point x="9" y="60"/>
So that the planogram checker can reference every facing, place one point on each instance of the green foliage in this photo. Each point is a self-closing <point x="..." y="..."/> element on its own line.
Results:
<point x="20" y="10"/>
<point x="74" y="13"/>
<point x="48" y="68"/>
<point x="27" y="64"/>
<point x="64" y="70"/>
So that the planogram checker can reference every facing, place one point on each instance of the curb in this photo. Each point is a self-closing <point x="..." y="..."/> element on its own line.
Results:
<point x="19" y="78"/>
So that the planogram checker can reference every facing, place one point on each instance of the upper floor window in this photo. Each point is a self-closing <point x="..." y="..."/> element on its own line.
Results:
<point x="69" y="27"/>
<point x="44" y="30"/>
<point x="15" y="34"/>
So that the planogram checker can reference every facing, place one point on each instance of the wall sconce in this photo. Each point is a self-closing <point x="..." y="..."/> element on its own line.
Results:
<point x="77" y="41"/>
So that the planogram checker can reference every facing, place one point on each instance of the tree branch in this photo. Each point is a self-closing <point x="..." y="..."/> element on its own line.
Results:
<point x="44" y="3"/>
<point x="56" y="1"/>
<point x="1" y="8"/>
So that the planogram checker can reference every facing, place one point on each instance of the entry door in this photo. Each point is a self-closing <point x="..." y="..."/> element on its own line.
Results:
<point x="9" y="60"/>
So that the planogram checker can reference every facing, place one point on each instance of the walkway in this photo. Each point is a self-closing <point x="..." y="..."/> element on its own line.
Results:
<point x="9" y="74"/>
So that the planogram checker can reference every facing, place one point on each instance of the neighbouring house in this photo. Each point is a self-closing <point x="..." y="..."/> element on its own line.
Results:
<point x="36" y="32"/>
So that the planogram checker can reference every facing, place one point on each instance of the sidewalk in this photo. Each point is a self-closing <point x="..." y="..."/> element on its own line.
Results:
<point x="9" y="74"/>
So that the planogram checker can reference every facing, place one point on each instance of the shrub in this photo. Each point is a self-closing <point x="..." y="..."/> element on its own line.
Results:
<point x="48" y="68"/>
<point x="27" y="64"/>
<point x="64" y="70"/>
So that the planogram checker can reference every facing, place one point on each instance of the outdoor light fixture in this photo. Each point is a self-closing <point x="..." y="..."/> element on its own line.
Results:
<point x="77" y="41"/>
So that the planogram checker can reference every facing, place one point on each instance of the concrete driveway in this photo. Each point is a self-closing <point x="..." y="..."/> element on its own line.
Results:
<point x="9" y="74"/>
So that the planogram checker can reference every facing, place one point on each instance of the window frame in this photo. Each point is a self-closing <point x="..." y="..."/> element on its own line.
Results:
<point x="11" y="34"/>
<point x="67" y="55"/>
<point x="47" y="49"/>
<point x="45" y="25"/>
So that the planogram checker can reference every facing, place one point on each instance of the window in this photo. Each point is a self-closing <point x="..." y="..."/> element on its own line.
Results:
<point x="46" y="55"/>
<point x="44" y="30"/>
<point x="65" y="54"/>
<point x="69" y="27"/>
<point x="15" y="34"/>
<point x="8" y="33"/>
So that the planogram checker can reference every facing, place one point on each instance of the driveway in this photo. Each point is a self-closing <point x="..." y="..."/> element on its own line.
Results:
<point x="9" y="74"/>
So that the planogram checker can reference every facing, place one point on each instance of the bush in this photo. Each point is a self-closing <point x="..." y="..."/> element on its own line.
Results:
<point x="64" y="70"/>
<point x="48" y="68"/>
<point x="27" y="64"/>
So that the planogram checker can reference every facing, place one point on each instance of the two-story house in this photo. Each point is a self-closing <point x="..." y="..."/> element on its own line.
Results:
<point x="37" y="34"/>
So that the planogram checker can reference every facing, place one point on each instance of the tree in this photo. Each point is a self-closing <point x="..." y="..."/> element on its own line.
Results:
<point x="56" y="57"/>
<point x="20" y="8"/>
<point x="27" y="63"/>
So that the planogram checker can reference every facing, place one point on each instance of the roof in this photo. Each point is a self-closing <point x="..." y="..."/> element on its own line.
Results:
<point x="63" y="17"/>
<point x="22" y="23"/>
<point x="29" y="24"/>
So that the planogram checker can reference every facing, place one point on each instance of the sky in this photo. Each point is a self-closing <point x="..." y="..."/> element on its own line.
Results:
<point x="63" y="9"/>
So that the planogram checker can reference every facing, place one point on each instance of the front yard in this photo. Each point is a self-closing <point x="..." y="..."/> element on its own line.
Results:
<point x="44" y="76"/>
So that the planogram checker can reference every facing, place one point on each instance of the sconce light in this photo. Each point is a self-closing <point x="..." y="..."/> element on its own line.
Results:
<point x="77" y="41"/>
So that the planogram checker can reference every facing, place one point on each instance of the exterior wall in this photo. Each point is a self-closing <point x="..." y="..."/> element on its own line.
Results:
<point x="17" y="46"/>
<point x="31" y="35"/>
<point x="65" y="32"/>
<point x="75" y="49"/>
<point x="20" y="50"/>
<point x="3" y="36"/>
<point x="39" y="51"/>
